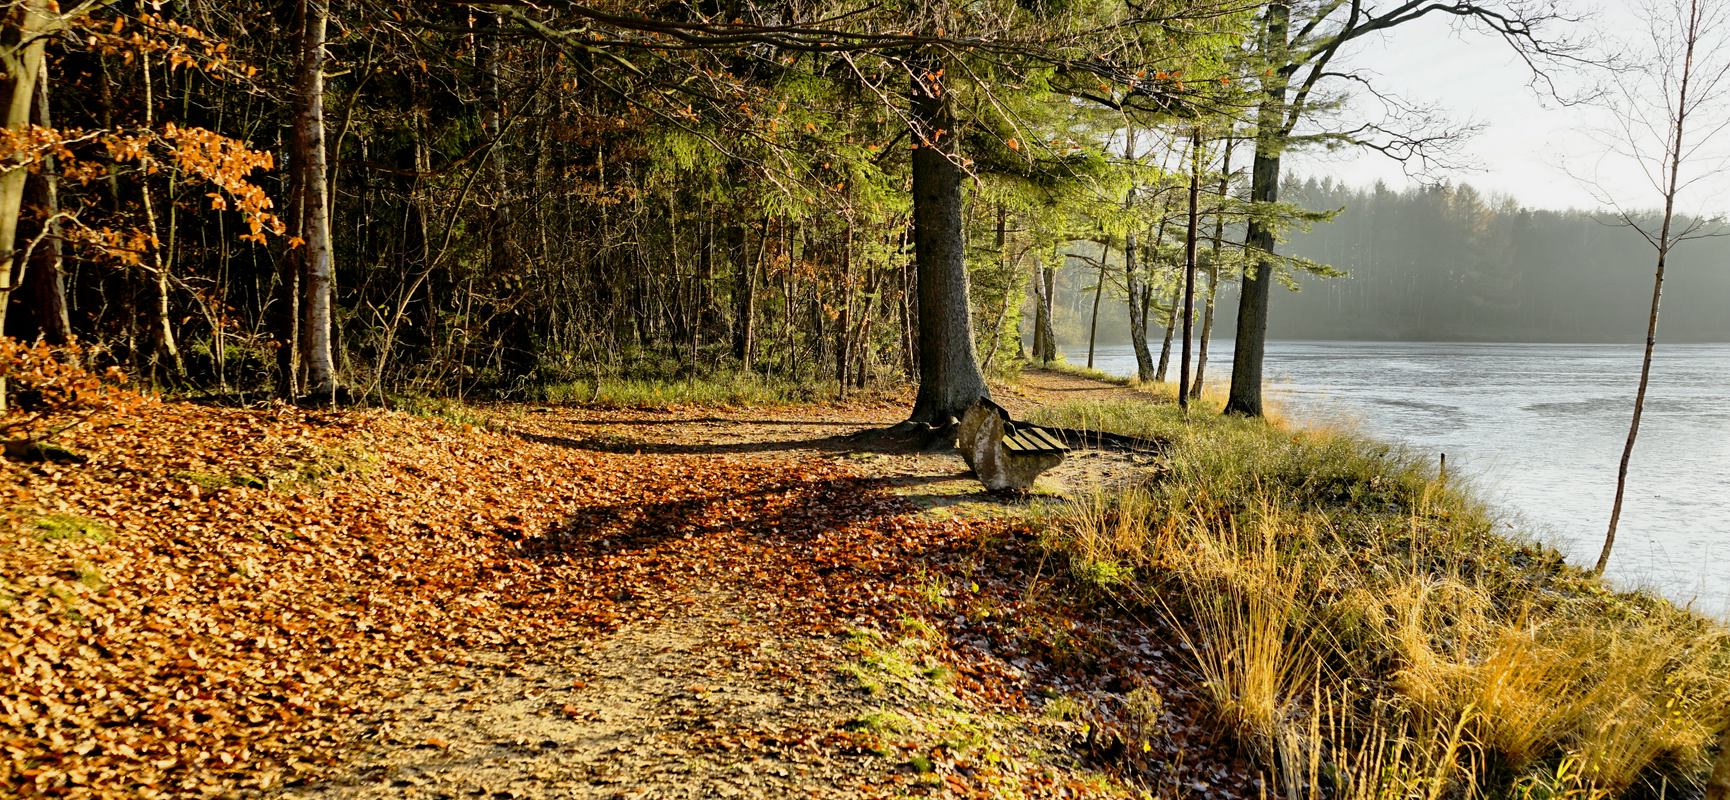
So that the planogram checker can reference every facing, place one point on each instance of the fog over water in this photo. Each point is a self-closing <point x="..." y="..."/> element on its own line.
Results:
<point x="1539" y="428"/>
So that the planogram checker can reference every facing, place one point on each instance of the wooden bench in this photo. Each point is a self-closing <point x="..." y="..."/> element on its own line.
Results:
<point x="1004" y="454"/>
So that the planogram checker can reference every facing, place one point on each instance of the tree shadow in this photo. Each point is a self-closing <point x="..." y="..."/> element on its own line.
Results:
<point x="858" y="437"/>
<point x="786" y="511"/>
<point x="832" y="443"/>
<point x="713" y="420"/>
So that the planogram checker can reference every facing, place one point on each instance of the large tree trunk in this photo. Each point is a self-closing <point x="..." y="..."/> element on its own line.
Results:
<point x="949" y="376"/>
<point x="317" y="271"/>
<point x="1258" y="278"/>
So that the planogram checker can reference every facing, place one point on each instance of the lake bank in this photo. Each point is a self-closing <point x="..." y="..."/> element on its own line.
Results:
<point x="1356" y="616"/>
<point x="1538" y="430"/>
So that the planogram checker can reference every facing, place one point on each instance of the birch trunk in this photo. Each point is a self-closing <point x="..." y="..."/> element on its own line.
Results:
<point x="317" y="272"/>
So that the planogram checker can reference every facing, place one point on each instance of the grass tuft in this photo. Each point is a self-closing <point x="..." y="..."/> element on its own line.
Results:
<point x="1358" y="623"/>
<point x="70" y="528"/>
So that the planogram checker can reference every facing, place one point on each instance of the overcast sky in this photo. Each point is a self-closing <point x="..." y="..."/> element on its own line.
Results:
<point x="1529" y="144"/>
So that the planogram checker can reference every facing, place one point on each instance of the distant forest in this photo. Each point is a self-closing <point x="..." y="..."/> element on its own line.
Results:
<point x="1447" y="263"/>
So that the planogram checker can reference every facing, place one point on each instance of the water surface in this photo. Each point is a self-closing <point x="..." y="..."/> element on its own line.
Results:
<point x="1539" y="429"/>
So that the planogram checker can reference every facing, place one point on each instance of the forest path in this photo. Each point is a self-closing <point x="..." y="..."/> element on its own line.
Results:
<point x="728" y="693"/>
<point x="517" y="601"/>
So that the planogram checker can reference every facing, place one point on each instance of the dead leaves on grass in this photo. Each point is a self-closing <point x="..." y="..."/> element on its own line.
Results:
<point x="265" y="565"/>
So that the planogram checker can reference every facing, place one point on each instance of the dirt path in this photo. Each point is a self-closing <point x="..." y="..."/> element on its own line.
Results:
<point x="726" y="696"/>
<point x="714" y="703"/>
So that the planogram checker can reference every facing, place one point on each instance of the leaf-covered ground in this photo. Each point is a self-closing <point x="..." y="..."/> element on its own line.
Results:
<point x="562" y="602"/>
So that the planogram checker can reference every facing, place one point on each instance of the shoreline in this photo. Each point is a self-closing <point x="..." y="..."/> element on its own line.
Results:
<point x="1549" y="472"/>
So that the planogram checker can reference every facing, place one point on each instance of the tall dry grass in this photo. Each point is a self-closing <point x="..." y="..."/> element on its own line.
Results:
<point x="1356" y="620"/>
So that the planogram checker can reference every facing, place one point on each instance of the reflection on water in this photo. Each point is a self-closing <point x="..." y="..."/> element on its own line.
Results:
<point x="1539" y="428"/>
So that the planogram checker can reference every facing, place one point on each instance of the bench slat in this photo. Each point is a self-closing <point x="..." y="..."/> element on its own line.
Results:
<point x="1031" y="439"/>
<point x="1050" y="440"/>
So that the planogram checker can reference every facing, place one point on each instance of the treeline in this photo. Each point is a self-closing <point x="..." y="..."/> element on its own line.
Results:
<point x="426" y="197"/>
<point x="1446" y="263"/>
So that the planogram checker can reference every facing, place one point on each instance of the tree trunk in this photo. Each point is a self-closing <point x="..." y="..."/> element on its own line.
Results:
<point x="42" y="289"/>
<point x="1043" y="333"/>
<point x="1098" y="292"/>
<point x="1040" y="309"/>
<point x="949" y="376"/>
<point x="745" y="292"/>
<point x="1258" y="278"/>
<point x="318" y="278"/>
<point x="1213" y="271"/>
<point x="1138" y="290"/>
<point x="1007" y="296"/>
<point x="1189" y="264"/>
<point x="285" y="305"/>
<point x="163" y="351"/>
<point x="1672" y="186"/>
<point x="909" y="313"/>
<point x="844" y="325"/>
<point x="21" y="57"/>
<point x="1170" y="325"/>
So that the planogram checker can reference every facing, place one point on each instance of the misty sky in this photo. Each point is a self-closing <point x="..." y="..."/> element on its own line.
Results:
<point x="1529" y="143"/>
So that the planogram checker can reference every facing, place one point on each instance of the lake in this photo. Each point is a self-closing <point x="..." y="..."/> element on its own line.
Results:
<point x="1539" y="429"/>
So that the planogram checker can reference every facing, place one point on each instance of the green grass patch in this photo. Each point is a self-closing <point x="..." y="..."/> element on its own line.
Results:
<point x="70" y="528"/>
<point x="444" y="408"/>
<point x="883" y="721"/>
<point x="1081" y="372"/>
<point x="715" y="390"/>
<point x="213" y="481"/>
<point x="318" y="468"/>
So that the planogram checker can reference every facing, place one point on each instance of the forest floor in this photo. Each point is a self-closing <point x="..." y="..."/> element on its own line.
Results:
<point x="560" y="601"/>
